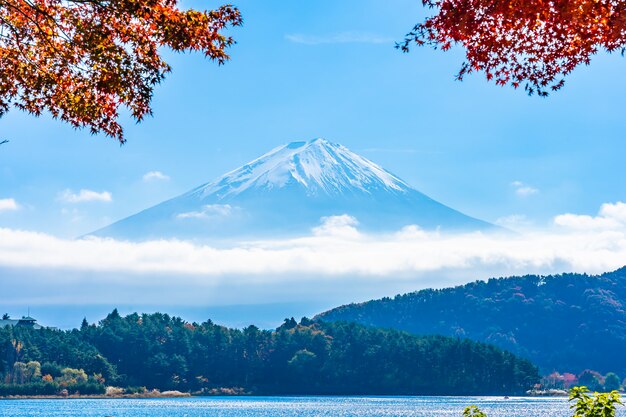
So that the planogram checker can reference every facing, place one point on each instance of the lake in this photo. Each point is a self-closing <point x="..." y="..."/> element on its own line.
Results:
<point x="288" y="406"/>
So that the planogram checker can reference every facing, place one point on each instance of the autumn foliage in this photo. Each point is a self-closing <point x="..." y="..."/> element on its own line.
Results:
<point x="534" y="43"/>
<point x="82" y="60"/>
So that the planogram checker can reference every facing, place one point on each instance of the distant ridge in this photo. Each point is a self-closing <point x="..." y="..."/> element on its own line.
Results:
<point x="567" y="323"/>
<point x="288" y="191"/>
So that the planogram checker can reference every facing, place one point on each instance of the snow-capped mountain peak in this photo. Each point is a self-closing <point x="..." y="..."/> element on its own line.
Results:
<point x="288" y="192"/>
<point x="319" y="166"/>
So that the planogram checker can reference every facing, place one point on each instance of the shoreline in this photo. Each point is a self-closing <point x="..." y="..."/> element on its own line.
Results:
<point x="176" y="394"/>
<point x="189" y="395"/>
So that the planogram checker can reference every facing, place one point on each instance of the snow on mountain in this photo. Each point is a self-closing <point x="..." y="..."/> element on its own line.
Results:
<point x="288" y="191"/>
<point x="319" y="166"/>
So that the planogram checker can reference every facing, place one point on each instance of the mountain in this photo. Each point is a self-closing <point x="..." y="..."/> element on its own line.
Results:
<point x="566" y="323"/>
<point x="288" y="191"/>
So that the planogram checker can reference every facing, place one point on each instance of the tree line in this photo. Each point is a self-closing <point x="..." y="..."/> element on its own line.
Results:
<point x="158" y="351"/>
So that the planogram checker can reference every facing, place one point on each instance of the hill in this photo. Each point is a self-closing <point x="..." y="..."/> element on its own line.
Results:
<point x="167" y="353"/>
<point x="564" y="323"/>
<point x="287" y="192"/>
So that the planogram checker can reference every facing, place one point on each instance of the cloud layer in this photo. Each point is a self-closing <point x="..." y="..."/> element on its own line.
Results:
<point x="335" y="257"/>
<point x="336" y="247"/>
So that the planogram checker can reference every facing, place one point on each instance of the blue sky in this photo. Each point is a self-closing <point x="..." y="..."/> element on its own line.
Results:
<point x="327" y="68"/>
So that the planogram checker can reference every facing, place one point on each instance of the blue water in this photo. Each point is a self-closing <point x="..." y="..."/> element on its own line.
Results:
<point x="289" y="406"/>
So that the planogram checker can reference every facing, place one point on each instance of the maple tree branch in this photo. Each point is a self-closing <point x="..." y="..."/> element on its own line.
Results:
<point x="84" y="59"/>
<point x="46" y="36"/>
<point x="19" y="43"/>
<point x="96" y="2"/>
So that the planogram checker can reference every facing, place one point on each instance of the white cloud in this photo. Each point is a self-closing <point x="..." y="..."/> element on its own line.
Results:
<point x="611" y="216"/>
<point x="342" y="37"/>
<point x="412" y="232"/>
<point x="339" y="226"/>
<point x="155" y="176"/>
<point x="320" y="255"/>
<point x="8" y="204"/>
<point x="335" y="247"/>
<point x="585" y="222"/>
<point x="523" y="190"/>
<point x="336" y="256"/>
<point x="84" y="196"/>
<point x="616" y="211"/>
<point x="210" y="211"/>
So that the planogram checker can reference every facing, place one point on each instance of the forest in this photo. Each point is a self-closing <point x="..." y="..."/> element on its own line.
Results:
<point x="574" y="324"/>
<point x="157" y="351"/>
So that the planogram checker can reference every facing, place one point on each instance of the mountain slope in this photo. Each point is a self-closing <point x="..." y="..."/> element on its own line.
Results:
<point x="288" y="191"/>
<point x="567" y="322"/>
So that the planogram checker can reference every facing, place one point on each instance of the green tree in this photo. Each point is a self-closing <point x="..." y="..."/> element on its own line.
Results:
<point x="310" y="357"/>
<point x="25" y="373"/>
<point x="473" y="411"/>
<point x="596" y="405"/>
<point x="70" y="376"/>
<point x="591" y="380"/>
<point x="611" y="382"/>
<point x="587" y="405"/>
<point x="19" y="373"/>
<point x="51" y="369"/>
<point x="33" y="371"/>
<point x="302" y="360"/>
